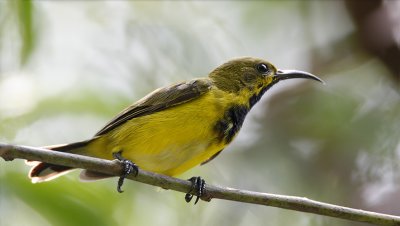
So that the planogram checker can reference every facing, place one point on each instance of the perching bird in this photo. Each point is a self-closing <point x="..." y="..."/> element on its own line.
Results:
<point x="180" y="126"/>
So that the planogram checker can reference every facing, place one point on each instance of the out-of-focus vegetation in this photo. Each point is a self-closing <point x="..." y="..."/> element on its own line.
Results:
<point x="66" y="67"/>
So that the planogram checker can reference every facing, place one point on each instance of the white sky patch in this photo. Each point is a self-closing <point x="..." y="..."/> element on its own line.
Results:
<point x="305" y="147"/>
<point x="57" y="130"/>
<point x="375" y="192"/>
<point x="17" y="95"/>
<point x="384" y="178"/>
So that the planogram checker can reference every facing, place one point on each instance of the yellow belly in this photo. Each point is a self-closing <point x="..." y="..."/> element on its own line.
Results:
<point x="170" y="141"/>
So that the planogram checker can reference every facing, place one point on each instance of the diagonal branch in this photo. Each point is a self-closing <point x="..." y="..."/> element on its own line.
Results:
<point x="10" y="152"/>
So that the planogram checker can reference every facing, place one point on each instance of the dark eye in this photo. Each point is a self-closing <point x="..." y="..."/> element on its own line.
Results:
<point x="262" y="68"/>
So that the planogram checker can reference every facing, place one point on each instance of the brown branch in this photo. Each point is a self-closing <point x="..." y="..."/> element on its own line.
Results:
<point x="10" y="152"/>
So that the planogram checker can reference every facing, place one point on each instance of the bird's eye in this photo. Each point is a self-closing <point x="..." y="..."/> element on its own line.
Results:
<point x="262" y="68"/>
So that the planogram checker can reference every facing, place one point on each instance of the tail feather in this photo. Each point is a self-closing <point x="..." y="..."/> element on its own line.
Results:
<point x="41" y="171"/>
<point x="44" y="172"/>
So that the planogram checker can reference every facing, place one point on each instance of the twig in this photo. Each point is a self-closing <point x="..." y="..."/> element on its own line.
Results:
<point x="10" y="152"/>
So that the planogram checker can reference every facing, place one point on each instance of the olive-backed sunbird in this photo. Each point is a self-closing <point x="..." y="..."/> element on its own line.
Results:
<point x="180" y="126"/>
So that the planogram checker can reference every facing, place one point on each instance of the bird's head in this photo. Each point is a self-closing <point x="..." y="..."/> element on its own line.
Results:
<point x="252" y="77"/>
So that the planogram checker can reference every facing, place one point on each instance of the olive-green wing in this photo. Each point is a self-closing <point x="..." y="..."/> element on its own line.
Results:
<point x="159" y="100"/>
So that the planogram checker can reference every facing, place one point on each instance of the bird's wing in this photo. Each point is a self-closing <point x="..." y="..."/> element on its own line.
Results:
<point x="159" y="100"/>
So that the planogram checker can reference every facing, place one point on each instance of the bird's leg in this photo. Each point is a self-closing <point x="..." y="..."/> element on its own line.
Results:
<point x="199" y="185"/>
<point x="128" y="168"/>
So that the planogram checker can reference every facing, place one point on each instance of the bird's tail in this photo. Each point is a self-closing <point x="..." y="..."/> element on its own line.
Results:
<point x="41" y="171"/>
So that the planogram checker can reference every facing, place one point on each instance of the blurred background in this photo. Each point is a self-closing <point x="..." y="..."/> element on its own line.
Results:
<point x="66" y="67"/>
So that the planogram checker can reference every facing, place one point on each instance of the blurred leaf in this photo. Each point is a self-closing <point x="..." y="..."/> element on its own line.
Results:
<point x="24" y="10"/>
<point x="62" y="205"/>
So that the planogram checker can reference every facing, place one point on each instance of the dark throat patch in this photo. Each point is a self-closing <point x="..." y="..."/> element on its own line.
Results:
<point x="256" y="97"/>
<point x="230" y="124"/>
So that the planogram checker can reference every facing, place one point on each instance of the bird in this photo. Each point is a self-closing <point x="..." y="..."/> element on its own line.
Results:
<point x="180" y="126"/>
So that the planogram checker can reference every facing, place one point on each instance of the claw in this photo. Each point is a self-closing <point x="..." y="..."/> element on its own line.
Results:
<point x="199" y="185"/>
<point x="128" y="168"/>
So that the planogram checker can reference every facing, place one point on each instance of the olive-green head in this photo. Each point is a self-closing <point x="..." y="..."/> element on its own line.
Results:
<point x="253" y="75"/>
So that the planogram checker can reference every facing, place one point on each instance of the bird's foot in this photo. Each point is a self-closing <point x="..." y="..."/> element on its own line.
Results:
<point x="198" y="185"/>
<point x="128" y="168"/>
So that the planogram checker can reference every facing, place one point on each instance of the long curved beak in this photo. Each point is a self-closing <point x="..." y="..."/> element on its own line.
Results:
<point x="289" y="74"/>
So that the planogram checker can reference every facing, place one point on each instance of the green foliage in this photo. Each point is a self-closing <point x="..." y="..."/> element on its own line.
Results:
<point x="24" y="11"/>
<point x="63" y="205"/>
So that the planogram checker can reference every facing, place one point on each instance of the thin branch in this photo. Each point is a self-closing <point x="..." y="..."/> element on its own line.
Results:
<point x="10" y="152"/>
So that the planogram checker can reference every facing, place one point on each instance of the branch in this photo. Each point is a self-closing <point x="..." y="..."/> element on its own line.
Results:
<point x="10" y="152"/>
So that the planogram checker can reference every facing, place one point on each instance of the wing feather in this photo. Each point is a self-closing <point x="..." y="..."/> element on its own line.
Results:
<point x="159" y="100"/>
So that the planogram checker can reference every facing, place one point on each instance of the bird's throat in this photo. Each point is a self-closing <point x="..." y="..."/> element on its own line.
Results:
<point x="228" y="127"/>
<point x="257" y="96"/>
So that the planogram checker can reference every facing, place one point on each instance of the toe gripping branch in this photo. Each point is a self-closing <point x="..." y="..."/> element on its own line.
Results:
<point x="198" y="185"/>
<point x="128" y="168"/>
